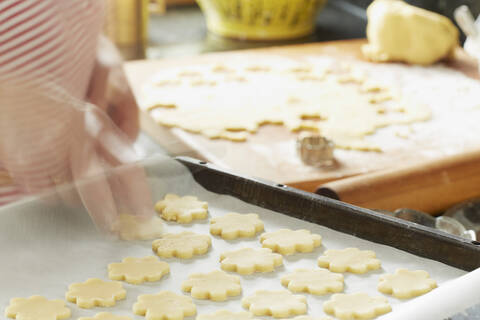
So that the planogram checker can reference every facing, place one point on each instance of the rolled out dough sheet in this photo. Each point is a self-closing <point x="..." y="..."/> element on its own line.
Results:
<point x="46" y="249"/>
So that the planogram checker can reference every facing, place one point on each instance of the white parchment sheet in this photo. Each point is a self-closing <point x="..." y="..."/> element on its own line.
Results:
<point x="45" y="249"/>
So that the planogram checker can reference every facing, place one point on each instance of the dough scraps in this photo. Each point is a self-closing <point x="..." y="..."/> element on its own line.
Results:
<point x="181" y="209"/>
<point x="286" y="242"/>
<point x="349" y="260"/>
<point x="233" y="110"/>
<point x="164" y="305"/>
<point x="182" y="245"/>
<point x="95" y="293"/>
<point x="38" y="308"/>
<point x="105" y="316"/>
<point x="130" y="227"/>
<point x="248" y="260"/>
<point x="236" y="225"/>
<point x="138" y="270"/>
<point x="356" y="306"/>
<point x="278" y="304"/>
<point x="405" y="284"/>
<point x="216" y="285"/>
<point x="318" y="282"/>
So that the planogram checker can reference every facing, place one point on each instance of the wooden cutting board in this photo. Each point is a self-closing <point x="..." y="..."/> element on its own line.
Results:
<point x="270" y="154"/>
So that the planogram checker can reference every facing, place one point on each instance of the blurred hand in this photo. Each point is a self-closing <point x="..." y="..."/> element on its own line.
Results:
<point x="49" y="138"/>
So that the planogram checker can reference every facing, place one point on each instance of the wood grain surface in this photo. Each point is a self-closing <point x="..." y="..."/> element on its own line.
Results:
<point x="259" y="156"/>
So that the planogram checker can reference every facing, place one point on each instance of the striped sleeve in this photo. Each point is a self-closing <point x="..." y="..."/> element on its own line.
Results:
<point x="43" y="44"/>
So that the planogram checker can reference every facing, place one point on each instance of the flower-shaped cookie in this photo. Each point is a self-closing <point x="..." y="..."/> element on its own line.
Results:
<point x="313" y="281"/>
<point x="38" y="308"/>
<point x="138" y="270"/>
<point x="181" y="209"/>
<point x="182" y="245"/>
<point x="349" y="260"/>
<point x="235" y="225"/>
<point x="95" y="293"/>
<point x="285" y="241"/>
<point x="311" y="318"/>
<point x="226" y="315"/>
<point x="248" y="260"/>
<point x="279" y="304"/>
<point x="105" y="316"/>
<point x="216" y="285"/>
<point x="406" y="284"/>
<point x="129" y="227"/>
<point x="164" y="305"/>
<point x="356" y="306"/>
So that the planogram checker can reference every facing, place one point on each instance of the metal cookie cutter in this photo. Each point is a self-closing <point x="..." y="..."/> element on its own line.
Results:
<point x="315" y="150"/>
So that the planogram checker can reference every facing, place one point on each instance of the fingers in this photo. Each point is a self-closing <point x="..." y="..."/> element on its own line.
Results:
<point x="93" y="186"/>
<point x="123" y="110"/>
<point x="128" y="180"/>
<point x="98" y="87"/>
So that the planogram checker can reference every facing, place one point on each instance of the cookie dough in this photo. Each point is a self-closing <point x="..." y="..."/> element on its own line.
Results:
<point x="236" y="225"/>
<point x="356" y="306"/>
<point x="216" y="285"/>
<point x="311" y="318"/>
<point x="226" y="315"/>
<point x="138" y="270"/>
<point x="349" y="260"/>
<point x="37" y="308"/>
<point x="278" y="304"/>
<point x="397" y="31"/>
<point x="316" y="282"/>
<point x="130" y="227"/>
<point x="319" y="108"/>
<point x="286" y="242"/>
<point x="164" y="305"/>
<point x="95" y="293"/>
<point x="248" y="260"/>
<point x="105" y="316"/>
<point x="404" y="284"/>
<point x="181" y="209"/>
<point x="182" y="245"/>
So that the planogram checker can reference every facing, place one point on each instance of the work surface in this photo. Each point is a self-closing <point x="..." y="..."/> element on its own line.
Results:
<point x="271" y="154"/>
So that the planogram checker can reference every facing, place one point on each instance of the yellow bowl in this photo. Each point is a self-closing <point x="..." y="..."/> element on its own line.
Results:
<point x="261" y="19"/>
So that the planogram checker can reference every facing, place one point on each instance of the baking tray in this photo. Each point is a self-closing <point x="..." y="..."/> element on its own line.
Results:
<point x="46" y="248"/>
<point x="363" y="223"/>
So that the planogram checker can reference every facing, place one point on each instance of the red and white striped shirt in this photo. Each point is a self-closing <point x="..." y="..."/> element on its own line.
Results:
<point x="45" y="41"/>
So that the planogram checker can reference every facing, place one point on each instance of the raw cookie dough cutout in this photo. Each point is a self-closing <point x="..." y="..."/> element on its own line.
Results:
<point x="129" y="227"/>
<point x="38" y="308"/>
<point x="138" y="270"/>
<point x="405" y="284"/>
<point x="311" y="318"/>
<point x="181" y="209"/>
<point x="278" y="304"/>
<point x="105" y="316"/>
<point x="356" y="306"/>
<point x="286" y="242"/>
<point x="164" y="305"/>
<point x="95" y="293"/>
<point x="216" y="285"/>
<point x="236" y="225"/>
<point x="226" y="315"/>
<point x="248" y="260"/>
<point x="182" y="245"/>
<point x="318" y="282"/>
<point x="349" y="260"/>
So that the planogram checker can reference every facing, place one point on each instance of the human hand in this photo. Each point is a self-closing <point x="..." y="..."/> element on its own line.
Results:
<point x="49" y="138"/>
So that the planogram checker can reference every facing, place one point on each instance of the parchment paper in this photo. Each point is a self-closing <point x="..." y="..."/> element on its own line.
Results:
<point x="44" y="249"/>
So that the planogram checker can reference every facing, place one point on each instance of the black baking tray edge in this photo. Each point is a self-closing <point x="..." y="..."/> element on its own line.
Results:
<point x="340" y="216"/>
